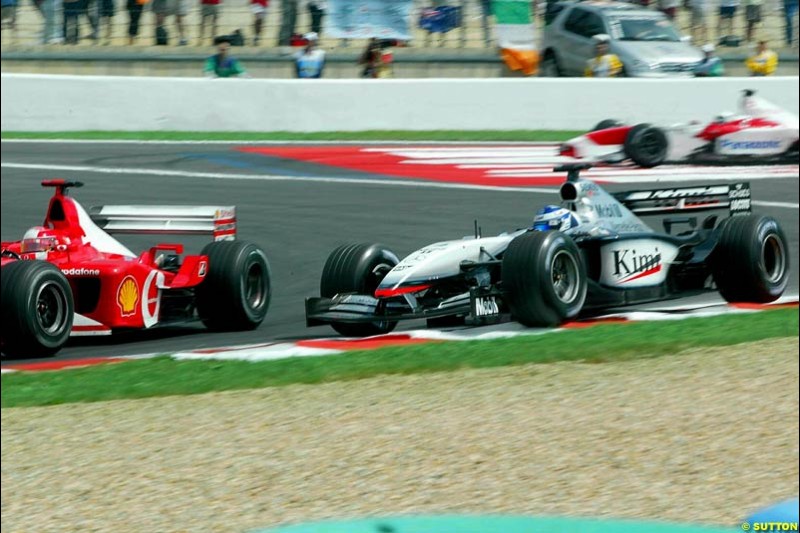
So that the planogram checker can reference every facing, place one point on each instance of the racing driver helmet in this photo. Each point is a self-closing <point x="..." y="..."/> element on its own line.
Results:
<point x="38" y="239"/>
<point x="554" y="217"/>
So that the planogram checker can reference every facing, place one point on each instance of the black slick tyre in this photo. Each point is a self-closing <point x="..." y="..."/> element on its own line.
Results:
<point x="544" y="278"/>
<point x="38" y="309"/>
<point x="237" y="290"/>
<point x="751" y="260"/>
<point x="646" y="145"/>
<point x="359" y="269"/>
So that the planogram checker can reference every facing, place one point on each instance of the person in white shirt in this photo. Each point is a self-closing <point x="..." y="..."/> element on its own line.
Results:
<point x="310" y="63"/>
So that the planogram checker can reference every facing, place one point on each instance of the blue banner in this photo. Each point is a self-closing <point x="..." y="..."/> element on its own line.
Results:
<point x="362" y="19"/>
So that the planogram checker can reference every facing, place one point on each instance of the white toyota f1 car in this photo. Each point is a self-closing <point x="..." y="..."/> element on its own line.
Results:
<point x="592" y="251"/>
<point x="760" y="133"/>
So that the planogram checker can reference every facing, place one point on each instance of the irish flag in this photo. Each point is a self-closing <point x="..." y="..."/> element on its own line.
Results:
<point x="516" y="34"/>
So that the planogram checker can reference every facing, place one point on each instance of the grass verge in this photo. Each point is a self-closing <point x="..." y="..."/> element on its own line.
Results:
<point x="614" y="342"/>
<point x="374" y="135"/>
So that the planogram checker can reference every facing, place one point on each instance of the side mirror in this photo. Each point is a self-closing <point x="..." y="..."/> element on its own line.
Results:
<point x="686" y="38"/>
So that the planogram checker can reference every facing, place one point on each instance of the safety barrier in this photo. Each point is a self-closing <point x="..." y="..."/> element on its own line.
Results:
<point x="73" y="103"/>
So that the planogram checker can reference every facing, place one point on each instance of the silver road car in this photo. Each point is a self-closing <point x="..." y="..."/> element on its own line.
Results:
<point x="646" y="41"/>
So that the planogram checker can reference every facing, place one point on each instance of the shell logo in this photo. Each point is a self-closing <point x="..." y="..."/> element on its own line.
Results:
<point x="128" y="296"/>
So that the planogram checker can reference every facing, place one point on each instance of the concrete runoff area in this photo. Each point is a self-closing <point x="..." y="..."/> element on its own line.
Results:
<point x="703" y="436"/>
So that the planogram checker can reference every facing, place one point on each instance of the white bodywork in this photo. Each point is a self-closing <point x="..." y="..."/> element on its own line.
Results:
<point x="626" y="263"/>
<point x="750" y="136"/>
<point x="171" y="219"/>
<point x="98" y="238"/>
<point x="636" y="262"/>
<point x="442" y="259"/>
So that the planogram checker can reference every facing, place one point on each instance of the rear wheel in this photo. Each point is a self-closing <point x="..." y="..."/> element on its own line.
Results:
<point x="359" y="269"/>
<point x="607" y="123"/>
<point x="237" y="290"/>
<point x="646" y="145"/>
<point x="793" y="153"/>
<point x="544" y="278"/>
<point x="751" y="260"/>
<point x="38" y="309"/>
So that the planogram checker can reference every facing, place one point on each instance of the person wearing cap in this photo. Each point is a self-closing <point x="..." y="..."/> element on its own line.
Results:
<point x="764" y="62"/>
<point x="604" y="64"/>
<point x="310" y="62"/>
<point x="711" y="65"/>
<point x="222" y="64"/>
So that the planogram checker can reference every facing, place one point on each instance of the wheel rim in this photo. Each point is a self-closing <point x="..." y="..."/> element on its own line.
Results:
<point x="51" y="308"/>
<point x="564" y="276"/>
<point x="773" y="258"/>
<point x="254" y="287"/>
<point x="650" y="143"/>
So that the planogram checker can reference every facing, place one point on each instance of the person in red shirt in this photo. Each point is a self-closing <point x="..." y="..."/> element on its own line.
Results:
<point x="259" y="9"/>
<point x="209" y="15"/>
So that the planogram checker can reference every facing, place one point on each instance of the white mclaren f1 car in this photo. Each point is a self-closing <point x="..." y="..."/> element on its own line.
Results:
<point x="592" y="251"/>
<point x="760" y="133"/>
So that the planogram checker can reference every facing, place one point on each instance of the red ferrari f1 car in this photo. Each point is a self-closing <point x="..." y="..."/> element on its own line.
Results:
<point x="760" y="133"/>
<point x="69" y="277"/>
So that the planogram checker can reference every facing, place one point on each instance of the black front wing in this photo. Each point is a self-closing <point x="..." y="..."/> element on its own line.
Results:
<point x="482" y="305"/>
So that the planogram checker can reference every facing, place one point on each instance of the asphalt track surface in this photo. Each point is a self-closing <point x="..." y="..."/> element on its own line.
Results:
<point x="298" y="211"/>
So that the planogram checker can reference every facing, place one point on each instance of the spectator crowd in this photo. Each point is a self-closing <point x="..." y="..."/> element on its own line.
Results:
<point x="67" y="21"/>
<point x="725" y="22"/>
<point x="70" y="21"/>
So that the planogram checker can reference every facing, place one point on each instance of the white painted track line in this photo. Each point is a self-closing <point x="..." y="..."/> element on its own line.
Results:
<point x="169" y="173"/>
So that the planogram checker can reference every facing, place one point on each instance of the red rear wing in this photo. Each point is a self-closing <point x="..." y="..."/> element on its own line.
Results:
<point x="220" y="222"/>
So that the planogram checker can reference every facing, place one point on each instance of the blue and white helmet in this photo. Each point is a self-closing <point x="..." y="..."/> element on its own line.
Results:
<point x="553" y="217"/>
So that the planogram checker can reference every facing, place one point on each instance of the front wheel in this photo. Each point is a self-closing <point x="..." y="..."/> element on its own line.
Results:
<point x="38" y="309"/>
<point x="751" y="260"/>
<point x="359" y="269"/>
<point x="544" y="278"/>
<point x="237" y="290"/>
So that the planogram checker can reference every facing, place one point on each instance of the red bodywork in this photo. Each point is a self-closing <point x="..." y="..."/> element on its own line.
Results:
<point x="606" y="137"/>
<point x="111" y="290"/>
<point x="718" y="129"/>
<point x="615" y="135"/>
